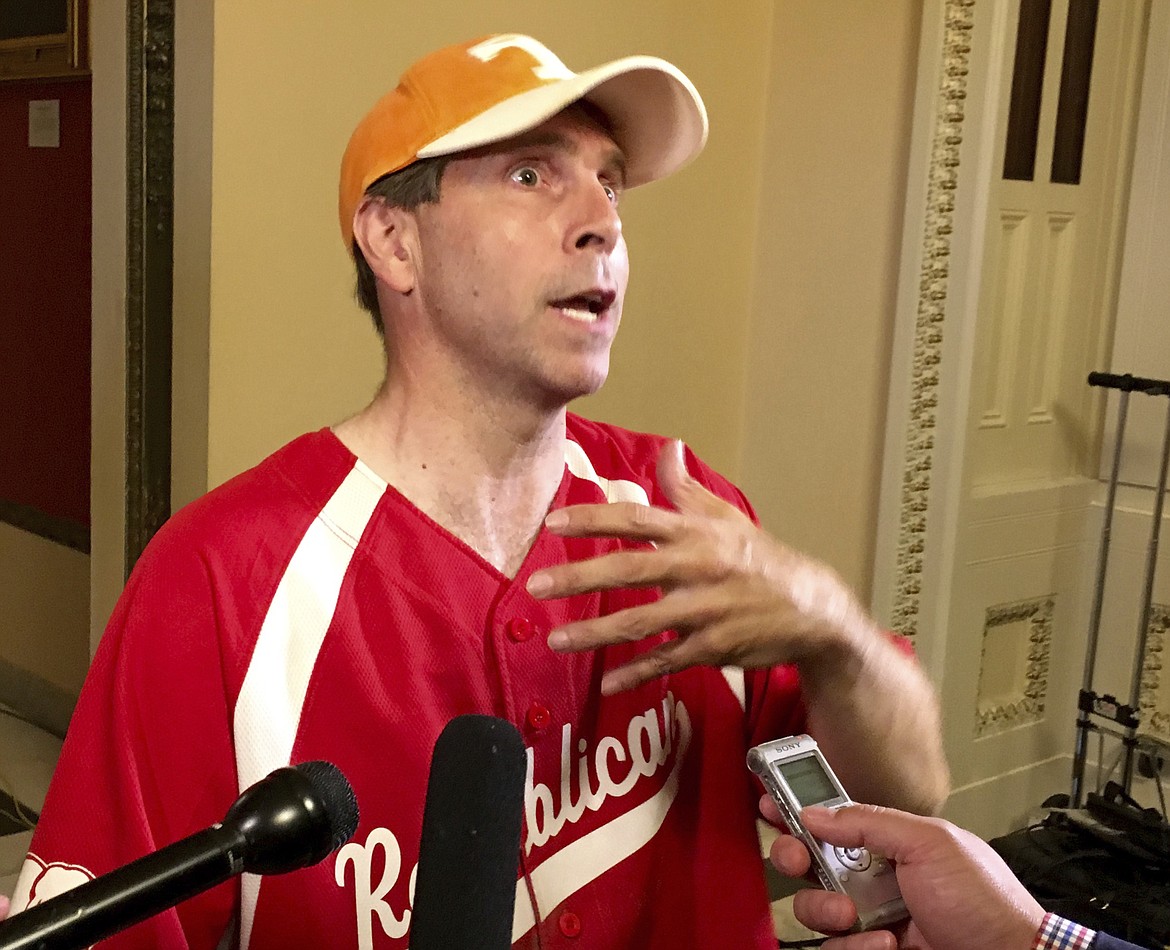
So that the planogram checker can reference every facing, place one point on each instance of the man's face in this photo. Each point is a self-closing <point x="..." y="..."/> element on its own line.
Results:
<point x="522" y="265"/>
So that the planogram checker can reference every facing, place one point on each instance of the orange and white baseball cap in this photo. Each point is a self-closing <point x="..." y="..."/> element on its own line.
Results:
<point x="473" y="94"/>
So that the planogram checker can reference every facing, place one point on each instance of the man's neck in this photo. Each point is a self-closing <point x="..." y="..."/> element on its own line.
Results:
<point x="486" y="474"/>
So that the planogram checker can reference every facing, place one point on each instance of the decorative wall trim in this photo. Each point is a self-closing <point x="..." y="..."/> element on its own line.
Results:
<point x="1027" y="705"/>
<point x="72" y="534"/>
<point x="150" y="109"/>
<point x="1153" y="708"/>
<point x="943" y="181"/>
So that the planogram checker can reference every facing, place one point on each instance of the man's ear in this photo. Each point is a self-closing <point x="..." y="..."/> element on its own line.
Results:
<point x="387" y="238"/>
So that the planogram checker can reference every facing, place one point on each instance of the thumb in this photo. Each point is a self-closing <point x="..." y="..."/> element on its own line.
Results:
<point x="887" y="831"/>
<point x="684" y="492"/>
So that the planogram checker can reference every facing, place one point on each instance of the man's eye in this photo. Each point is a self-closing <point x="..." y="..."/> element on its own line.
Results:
<point x="612" y="192"/>
<point x="526" y="176"/>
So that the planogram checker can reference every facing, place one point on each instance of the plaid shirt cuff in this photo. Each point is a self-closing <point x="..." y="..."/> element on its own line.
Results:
<point x="1056" y="933"/>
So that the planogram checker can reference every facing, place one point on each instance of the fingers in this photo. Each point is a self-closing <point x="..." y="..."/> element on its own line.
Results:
<point x="619" y="569"/>
<point x="605" y="572"/>
<point x="870" y="940"/>
<point x="823" y="911"/>
<point x="702" y="557"/>
<point x="681" y="490"/>
<point x="830" y="912"/>
<point x="670" y="657"/>
<point x="679" y="611"/>
<point x="790" y="857"/>
<point x="820" y="910"/>
<point x="618" y="519"/>
<point x="884" y="830"/>
<point x="671" y="471"/>
<point x="770" y="812"/>
<point x="646" y="522"/>
<point x="624" y="626"/>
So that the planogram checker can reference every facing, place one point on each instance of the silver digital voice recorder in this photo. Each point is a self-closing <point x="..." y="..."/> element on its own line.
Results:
<point x="796" y="775"/>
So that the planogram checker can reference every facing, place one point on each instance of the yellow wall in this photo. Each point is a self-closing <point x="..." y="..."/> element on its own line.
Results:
<point x="44" y="608"/>
<point x="836" y="138"/>
<point x="289" y="351"/>
<point x="758" y="321"/>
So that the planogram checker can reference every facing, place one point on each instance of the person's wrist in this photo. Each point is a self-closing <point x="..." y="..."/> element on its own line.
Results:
<point x="1057" y="933"/>
<point x="840" y="654"/>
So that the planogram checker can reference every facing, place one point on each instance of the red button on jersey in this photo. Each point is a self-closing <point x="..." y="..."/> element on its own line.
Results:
<point x="538" y="716"/>
<point x="570" y="924"/>
<point x="520" y="629"/>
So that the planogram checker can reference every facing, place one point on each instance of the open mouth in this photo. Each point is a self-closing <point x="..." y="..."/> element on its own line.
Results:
<point x="587" y="307"/>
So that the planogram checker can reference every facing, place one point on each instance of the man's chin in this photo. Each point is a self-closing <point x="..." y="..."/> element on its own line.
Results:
<point x="585" y="387"/>
<point x="584" y="381"/>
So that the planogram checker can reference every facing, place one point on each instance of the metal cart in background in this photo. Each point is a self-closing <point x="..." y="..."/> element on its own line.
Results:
<point x="1099" y="857"/>
<point x="1095" y="709"/>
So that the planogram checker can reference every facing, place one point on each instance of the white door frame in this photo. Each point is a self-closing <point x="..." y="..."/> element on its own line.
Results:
<point x="952" y="156"/>
<point x="963" y="66"/>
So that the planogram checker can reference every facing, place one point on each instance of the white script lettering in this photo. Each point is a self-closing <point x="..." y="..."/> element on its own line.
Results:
<point x="371" y="901"/>
<point x="650" y="739"/>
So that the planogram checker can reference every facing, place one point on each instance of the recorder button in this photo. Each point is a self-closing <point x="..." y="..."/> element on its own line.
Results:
<point x="856" y="859"/>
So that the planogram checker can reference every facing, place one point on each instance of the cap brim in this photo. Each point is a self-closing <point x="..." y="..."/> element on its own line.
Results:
<point x="657" y="117"/>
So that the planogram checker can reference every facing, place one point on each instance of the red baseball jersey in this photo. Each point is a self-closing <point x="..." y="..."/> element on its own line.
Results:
<point x="306" y="610"/>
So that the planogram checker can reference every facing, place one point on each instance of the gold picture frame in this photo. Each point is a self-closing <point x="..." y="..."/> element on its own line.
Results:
<point x="38" y="54"/>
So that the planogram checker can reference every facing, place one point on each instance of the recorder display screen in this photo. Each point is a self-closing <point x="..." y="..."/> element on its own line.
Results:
<point x="808" y="781"/>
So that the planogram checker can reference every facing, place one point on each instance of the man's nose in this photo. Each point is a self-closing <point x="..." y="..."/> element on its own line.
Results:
<point x="596" y="221"/>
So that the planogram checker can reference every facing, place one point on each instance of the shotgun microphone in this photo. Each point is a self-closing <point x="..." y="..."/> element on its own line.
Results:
<point x="292" y="819"/>
<point x="469" y="852"/>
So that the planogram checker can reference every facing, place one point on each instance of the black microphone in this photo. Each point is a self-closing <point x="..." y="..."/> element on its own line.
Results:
<point x="470" y="846"/>
<point x="289" y="820"/>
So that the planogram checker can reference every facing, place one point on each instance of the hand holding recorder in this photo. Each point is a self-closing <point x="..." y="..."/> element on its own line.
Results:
<point x="797" y="776"/>
<point x="960" y="894"/>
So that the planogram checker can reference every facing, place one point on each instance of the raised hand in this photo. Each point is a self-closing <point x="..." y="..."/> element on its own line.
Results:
<point x="732" y="593"/>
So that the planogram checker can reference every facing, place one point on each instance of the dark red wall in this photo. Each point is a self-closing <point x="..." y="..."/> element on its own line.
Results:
<point x="45" y="303"/>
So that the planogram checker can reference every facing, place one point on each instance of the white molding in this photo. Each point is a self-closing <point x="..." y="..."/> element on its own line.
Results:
<point x="954" y="143"/>
<point x="1027" y="704"/>
<point x="1154" y="710"/>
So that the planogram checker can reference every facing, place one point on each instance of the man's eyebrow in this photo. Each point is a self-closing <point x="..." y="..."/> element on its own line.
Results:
<point x="538" y="138"/>
<point x="616" y="165"/>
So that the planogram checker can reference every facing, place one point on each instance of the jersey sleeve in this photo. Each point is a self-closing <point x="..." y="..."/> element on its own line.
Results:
<point x="147" y="758"/>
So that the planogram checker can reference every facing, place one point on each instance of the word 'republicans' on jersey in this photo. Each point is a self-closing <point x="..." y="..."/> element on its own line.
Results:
<point x="589" y="778"/>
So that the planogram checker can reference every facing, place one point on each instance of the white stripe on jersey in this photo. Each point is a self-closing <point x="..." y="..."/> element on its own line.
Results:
<point x="268" y="710"/>
<point x="617" y="489"/>
<point x="734" y="677"/>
